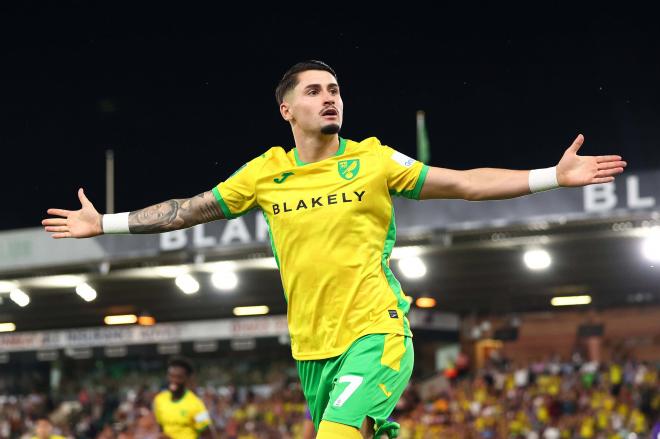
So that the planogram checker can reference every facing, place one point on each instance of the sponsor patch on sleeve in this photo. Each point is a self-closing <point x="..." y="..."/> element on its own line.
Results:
<point x="403" y="159"/>
<point x="202" y="417"/>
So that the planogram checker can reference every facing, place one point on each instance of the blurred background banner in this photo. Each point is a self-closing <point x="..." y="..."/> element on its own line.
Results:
<point x="632" y="194"/>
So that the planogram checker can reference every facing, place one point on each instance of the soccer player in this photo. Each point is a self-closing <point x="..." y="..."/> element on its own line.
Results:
<point x="328" y="205"/>
<point x="43" y="429"/>
<point x="178" y="411"/>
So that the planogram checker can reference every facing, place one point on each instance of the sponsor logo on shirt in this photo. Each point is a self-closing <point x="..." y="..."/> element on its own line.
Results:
<point x="284" y="176"/>
<point x="403" y="159"/>
<point x="393" y="313"/>
<point x="202" y="417"/>
<point x="348" y="169"/>
<point x="322" y="201"/>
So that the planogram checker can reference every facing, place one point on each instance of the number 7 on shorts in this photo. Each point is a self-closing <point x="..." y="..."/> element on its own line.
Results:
<point x="354" y="382"/>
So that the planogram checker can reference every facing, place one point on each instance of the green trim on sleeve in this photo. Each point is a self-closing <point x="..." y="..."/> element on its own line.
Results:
<point x="223" y="206"/>
<point x="203" y="429"/>
<point x="420" y="182"/>
<point x="413" y="193"/>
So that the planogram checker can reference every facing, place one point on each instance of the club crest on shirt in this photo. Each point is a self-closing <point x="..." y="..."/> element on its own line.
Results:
<point x="348" y="169"/>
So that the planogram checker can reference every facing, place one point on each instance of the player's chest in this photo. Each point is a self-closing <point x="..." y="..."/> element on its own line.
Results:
<point x="177" y="415"/>
<point x="342" y="187"/>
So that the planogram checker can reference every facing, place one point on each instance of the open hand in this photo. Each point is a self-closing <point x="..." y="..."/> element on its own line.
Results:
<point x="83" y="223"/>
<point x="575" y="170"/>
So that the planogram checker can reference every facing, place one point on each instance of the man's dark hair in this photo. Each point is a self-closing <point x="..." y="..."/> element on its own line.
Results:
<point x="290" y="78"/>
<point x="183" y="363"/>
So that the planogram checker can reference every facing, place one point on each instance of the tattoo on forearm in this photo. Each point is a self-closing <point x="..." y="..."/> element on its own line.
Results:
<point x="175" y="214"/>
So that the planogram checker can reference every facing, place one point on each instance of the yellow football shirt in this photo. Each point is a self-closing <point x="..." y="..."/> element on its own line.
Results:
<point x="332" y="230"/>
<point x="181" y="419"/>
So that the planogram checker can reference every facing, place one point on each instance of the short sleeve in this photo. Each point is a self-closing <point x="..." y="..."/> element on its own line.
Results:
<point x="201" y="417"/>
<point x="405" y="175"/>
<point x="237" y="195"/>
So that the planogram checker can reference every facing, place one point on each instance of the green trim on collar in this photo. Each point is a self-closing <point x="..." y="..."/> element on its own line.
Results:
<point x="176" y="401"/>
<point x="340" y="151"/>
<point x="342" y="146"/>
<point x="298" y="161"/>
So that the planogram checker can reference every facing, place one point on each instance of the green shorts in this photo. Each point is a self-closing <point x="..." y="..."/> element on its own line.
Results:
<point x="366" y="380"/>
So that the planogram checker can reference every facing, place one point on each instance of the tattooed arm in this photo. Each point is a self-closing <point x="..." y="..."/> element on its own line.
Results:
<point x="161" y="217"/>
<point x="175" y="214"/>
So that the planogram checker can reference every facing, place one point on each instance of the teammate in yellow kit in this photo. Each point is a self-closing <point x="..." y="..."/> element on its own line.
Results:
<point x="178" y="411"/>
<point x="43" y="429"/>
<point x="328" y="205"/>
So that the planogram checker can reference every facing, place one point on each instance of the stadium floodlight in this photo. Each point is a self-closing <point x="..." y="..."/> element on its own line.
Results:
<point x="6" y="286"/>
<point x="85" y="291"/>
<point x="19" y="297"/>
<point x="406" y="252"/>
<point x="7" y="327"/>
<point x="224" y="280"/>
<point x="425" y="302"/>
<point x="187" y="284"/>
<point x="120" y="319"/>
<point x="251" y="310"/>
<point x="651" y="245"/>
<point x="146" y="320"/>
<point x="171" y="271"/>
<point x="59" y="281"/>
<point x="570" y="300"/>
<point x="268" y="263"/>
<point x="537" y="259"/>
<point x="412" y="267"/>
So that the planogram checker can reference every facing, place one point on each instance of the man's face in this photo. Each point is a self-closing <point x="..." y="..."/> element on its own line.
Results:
<point x="43" y="429"/>
<point x="315" y="104"/>
<point x="177" y="379"/>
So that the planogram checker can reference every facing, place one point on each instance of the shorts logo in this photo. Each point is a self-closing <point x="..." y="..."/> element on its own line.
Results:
<point x="384" y="389"/>
<point x="393" y="313"/>
<point x="348" y="169"/>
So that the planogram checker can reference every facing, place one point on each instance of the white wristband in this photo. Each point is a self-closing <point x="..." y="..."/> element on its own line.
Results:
<point x="543" y="179"/>
<point x="115" y="223"/>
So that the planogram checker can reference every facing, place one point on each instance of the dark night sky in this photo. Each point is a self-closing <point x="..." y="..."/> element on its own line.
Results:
<point x="184" y="94"/>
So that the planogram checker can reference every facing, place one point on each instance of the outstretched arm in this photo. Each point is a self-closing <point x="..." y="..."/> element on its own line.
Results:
<point x="162" y="217"/>
<point x="175" y="214"/>
<point x="498" y="184"/>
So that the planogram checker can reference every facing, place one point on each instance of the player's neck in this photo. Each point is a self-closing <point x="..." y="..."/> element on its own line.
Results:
<point x="316" y="148"/>
<point x="177" y="396"/>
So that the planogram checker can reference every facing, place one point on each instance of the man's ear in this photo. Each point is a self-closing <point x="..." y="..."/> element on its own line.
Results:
<point x="285" y="111"/>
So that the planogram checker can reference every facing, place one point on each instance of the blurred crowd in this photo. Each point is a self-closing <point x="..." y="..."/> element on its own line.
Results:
<point x="545" y="399"/>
